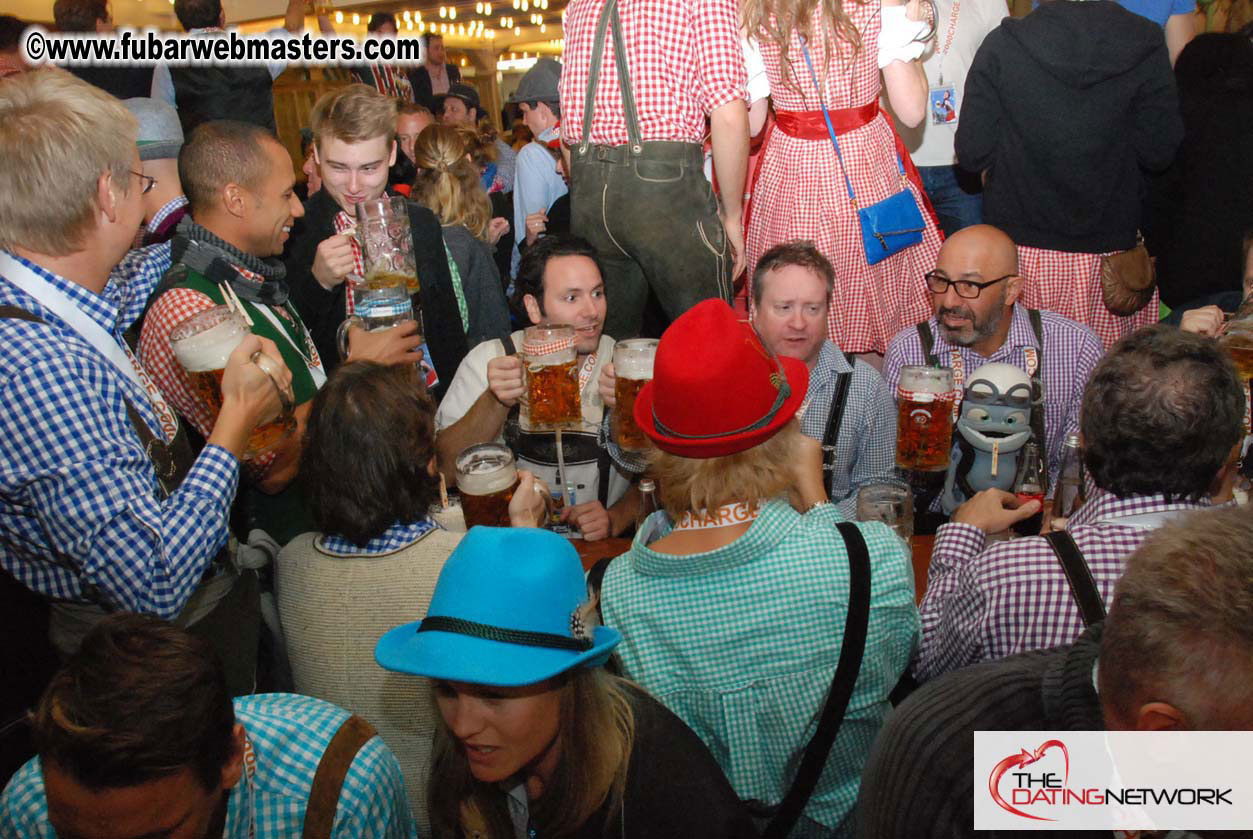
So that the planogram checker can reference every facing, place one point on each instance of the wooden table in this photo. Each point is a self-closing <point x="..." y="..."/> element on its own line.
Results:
<point x="922" y="560"/>
<point x="593" y="552"/>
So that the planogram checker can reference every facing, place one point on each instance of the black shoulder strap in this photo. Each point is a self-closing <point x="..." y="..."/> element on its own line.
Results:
<point x="510" y="348"/>
<point x="1037" y="382"/>
<point x="928" y="343"/>
<point x="853" y="646"/>
<point x="1082" y="587"/>
<point x="834" y="420"/>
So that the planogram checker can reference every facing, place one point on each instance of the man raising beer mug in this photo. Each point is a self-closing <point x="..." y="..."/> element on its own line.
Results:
<point x="559" y="282"/>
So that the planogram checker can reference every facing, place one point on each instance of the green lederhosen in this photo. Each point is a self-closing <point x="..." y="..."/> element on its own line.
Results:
<point x="285" y="514"/>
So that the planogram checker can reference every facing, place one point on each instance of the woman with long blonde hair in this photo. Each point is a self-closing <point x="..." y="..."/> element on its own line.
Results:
<point x="535" y="738"/>
<point x="448" y="184"/>
<point x="857" y="49"/>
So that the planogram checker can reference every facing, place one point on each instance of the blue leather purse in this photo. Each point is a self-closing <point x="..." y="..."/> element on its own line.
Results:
<point x="889" y="226"/>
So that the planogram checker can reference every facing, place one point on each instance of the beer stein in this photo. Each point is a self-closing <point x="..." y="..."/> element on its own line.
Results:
<point x="1237" y="340"/>
<point x="632" y="367"/>
<point x="381" y="299"/>
<point x="551" y="363"/>
<point x="202" y="344"/>
<point x="892" y="504"/>
<point x="386" y="243"/>
<point x="924" y="419"/>
<point x="486" y="478"/>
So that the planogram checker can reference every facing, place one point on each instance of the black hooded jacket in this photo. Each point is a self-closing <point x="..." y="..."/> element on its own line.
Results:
<point x="1066" y="109"/>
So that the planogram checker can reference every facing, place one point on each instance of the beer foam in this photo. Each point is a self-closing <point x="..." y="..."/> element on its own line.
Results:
<point x="210" y="349"/>
<point x="634" y="367"/>
<point x="630" y="362"/>
<point x="485" y="472"/>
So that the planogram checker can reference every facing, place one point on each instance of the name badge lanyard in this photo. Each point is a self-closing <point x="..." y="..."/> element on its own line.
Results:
<point x="59" y="303"/>
<point x="943" y="97"/>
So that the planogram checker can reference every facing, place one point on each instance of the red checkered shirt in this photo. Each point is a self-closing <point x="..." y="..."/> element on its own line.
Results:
<point x="984" y="602"/>
<point x="684" y="57"/>
<point x="345" y="223"/>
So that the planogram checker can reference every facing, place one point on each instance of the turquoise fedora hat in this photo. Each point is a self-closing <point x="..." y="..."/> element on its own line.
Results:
<point x="508" y="610"/>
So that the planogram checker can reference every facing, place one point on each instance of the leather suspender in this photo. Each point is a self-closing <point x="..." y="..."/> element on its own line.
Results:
<point x="328" y="781"/>
<point x="834" y="420"/>
<point x="1079" y="576"/>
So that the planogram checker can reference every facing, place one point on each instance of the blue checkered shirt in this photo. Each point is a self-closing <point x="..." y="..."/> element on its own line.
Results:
<point x="865" y="450"/>
<point x="392" y="539"/>
<point x="79" y="498"/>
<point x="287" y="735"/>
<point x="990" y="601"/>
<point x="1070" y="353"/>
<point x="742" y="642"/>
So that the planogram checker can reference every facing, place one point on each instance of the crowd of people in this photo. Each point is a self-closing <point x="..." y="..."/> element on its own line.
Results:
<point x="238" y="595"/>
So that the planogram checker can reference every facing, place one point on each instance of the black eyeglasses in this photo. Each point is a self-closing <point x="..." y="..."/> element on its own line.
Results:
<point x="147" y="180"/>
<point x="968" y="289"/>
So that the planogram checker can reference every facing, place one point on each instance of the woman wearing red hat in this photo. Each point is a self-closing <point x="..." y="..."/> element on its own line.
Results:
<point x="732" y="602"/>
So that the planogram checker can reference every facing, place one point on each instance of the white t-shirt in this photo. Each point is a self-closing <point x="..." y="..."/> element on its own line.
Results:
<point x="929" y="144"/>
<point x="470" y="382"/>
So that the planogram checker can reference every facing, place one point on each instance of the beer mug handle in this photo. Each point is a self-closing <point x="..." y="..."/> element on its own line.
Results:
<point x="341" y="335"/>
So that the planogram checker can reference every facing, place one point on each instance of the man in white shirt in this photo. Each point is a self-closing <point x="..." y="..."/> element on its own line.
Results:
<point x="956" y="194"/>
<point x="559" y="281"/>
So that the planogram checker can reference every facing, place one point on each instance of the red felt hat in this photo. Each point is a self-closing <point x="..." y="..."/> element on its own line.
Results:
<point x="716" y="389"/>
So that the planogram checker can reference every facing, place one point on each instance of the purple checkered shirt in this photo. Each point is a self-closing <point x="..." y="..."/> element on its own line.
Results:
<point x="1013" y="597"/>
<point x="1070" y="353"/>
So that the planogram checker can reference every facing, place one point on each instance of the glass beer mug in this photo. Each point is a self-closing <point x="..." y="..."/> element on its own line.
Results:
<point x="381" y="299"/>
<point x="550" y="362"/>
<point x="632" y="367"/>
<point x="924" y="419"/>
<point x="487" y="477"/>
<point x="202" y="344"/>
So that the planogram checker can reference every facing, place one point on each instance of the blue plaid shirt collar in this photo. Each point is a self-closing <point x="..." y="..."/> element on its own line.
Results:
<point x="389" y="541"/>
<point x="104" y="308"/>
<point x="170" y="206"/>
<point x="1020" y="335"/>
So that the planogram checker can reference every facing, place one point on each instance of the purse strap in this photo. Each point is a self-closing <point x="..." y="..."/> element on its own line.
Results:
<point x="814" y="760"/>
<point x="900" y="165"/>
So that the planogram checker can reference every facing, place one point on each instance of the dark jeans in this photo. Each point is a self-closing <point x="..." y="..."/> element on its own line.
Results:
<point x="956" y="195"/>
<point x="654" y="220"/>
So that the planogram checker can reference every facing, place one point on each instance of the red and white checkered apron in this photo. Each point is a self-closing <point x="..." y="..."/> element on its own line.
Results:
<point x="1070" y="284"/>
<point x="800" y="194"/>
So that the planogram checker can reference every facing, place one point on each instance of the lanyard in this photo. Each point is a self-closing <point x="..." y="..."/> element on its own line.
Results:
<point x="59" y="303"/>
<point x="959" y="375"/>
<point x="585" y="374"/>
<point x="728" y="515"/>
<point x="948" y="37"/>
<point x="313" y="362"/>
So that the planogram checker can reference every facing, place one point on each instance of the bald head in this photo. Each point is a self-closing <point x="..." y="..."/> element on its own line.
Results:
<point x="982" y="261"/>
<point x="982" y="248"/>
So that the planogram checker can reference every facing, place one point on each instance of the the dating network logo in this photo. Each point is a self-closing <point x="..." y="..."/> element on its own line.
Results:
<point x="1024" y="780"/>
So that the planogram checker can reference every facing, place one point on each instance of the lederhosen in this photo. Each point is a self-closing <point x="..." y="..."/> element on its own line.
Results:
<point x="579" y="448"/>
<point x="1037" y="396"/>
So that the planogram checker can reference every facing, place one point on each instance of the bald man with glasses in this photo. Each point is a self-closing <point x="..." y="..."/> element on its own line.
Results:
<point x="974" y="294"/>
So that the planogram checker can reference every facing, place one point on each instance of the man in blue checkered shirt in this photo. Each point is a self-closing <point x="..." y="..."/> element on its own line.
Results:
<point x="138" y="737"/>
<point x="92" y="511"/>
<point x="848" y="406"/>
